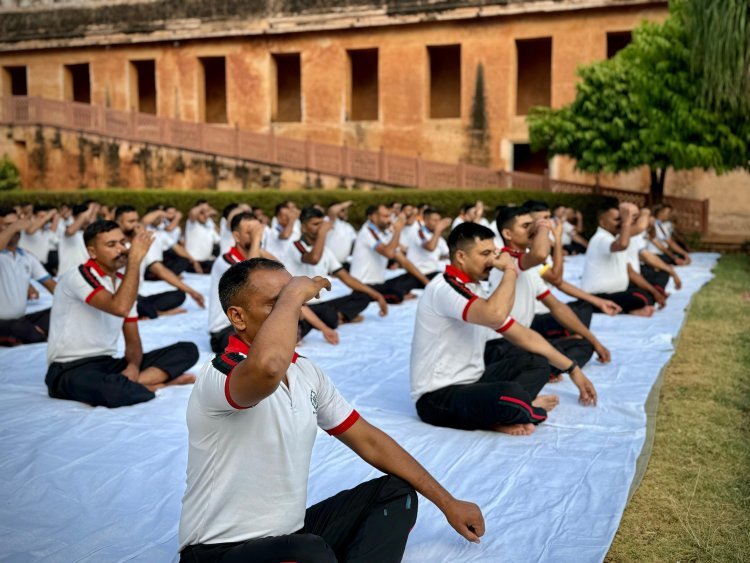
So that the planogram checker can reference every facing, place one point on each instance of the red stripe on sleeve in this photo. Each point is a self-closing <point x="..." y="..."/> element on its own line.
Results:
<point x="94" y="292"/>
<point x="543" y="295"/>
<point x="509" y="323"/>
<point x="466" y="309"/>
<point x="229" y="396"/>
<point x="346" y="425"/>
<point x="131" y="319"/>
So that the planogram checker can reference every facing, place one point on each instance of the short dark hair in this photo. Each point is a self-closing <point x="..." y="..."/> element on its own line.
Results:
<point x="79" y="208"/>
<point x="96" y="228"/>
<point x="121" y="210"/>
<point x="429" y="211"/>
<point x="279" y="207"/>
<point x="228" y="209"/>
<point x="534" y="205"/>
<point x="201" y="201"/>
<point x="373" y="208"/>
<point x="156" y="207"/>
<point x="466" y="206"/>
<point x="464" y="236"/>
<point x="237" y="219"/>
<point x="607" y="204"/>
<point x="310" y="212"/>
<point x="235" y="278"/>
<point x="5" y="211"/>
<point x="506" y="217"/>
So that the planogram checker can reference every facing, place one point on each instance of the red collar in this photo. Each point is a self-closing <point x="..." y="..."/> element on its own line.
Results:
<point x="513" y="253"/>
<point x="95" y="266"/>
<point x="451" y="270"/>
<point x="234" y="252"/>
<point x="237" y="346"/>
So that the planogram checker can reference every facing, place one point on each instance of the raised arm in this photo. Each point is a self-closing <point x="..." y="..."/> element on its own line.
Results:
<point x="493" y="311"/>
<point x="627" y="210"/>
<point x="390" y="250"/>
<point x="268" y="359"/>
<point x="16" y="227"/>
<point x="316" y="252"/>
<point x="540" y="246"/>
<point x="430" y="245"/>
<point x="38" y="222"/>
<point x="382" y="452"/>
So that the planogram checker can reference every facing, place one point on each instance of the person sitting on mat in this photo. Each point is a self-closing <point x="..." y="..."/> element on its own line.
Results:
<point x="428" y="248"/>
<point x="253" y="417"/>
<point x="672" y="251"/>
<point x="606" y="272"/>
<point x="92" y="304"/>
<point x="375" y="245"/>
<point x="456" y="379"/>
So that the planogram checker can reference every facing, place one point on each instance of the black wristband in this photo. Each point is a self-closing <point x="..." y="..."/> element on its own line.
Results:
<point x="573" y="366"/>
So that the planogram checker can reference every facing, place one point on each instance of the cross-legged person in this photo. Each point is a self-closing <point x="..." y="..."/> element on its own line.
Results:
<point x="245" y="441"/>
<point x="72" y="249"/>
<point x="92" y="304"/>
<point x="672" y="252"/>
<point x="284" y="229"/>
<point x="427" y="249"/>
<point x="17" y="269"/>
<point x="309" y="256"/>
<point x="605" y="268"/>
<point x="451" y="381"/>
<point x="375" y="245"/>
<point x="41" y="236"/>
<point x="201" y="236"/>
<point x="156" y="304"/>
<point x="520" y="232"/>
<point x="341" y="237"/>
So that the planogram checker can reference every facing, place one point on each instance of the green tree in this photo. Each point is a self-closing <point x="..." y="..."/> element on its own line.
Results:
<point x="10" y="179"/>
<point x="641" y="108"/>
<point x="719" y="40"/>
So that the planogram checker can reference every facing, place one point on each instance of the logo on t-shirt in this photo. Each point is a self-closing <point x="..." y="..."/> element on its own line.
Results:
<point x="314" y="401"/>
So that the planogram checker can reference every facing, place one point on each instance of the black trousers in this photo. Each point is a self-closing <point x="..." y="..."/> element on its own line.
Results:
<point x="151" y="305"/>
<point x="205" y="266"/>
<point x="657" y="278"/>
<point x="24" y="330"/>
<point x="99" y="381"/>
<point x="220" y="340"/>
<point x="349" y="306"/>
<point x="631" y="299"/>
<point x="502" y="396"/>
<point x="369" y="523"/>
<point x="574" y="248"/>
<point x="395" y="288"/>
<point x="53" y="261"/>
<point x="573" y="347"/>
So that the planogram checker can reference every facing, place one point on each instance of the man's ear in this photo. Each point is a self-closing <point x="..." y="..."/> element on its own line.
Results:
<point x="237" y="318"/>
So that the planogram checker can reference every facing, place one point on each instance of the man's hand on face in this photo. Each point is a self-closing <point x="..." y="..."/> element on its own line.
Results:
<point x="504" y="261"/>
<point x="542" y="225"/>
<point x="443" y="224"/>
<point x="325" y="226"/>
<point x="140" y="245"/>
<point x="308" y="288"/>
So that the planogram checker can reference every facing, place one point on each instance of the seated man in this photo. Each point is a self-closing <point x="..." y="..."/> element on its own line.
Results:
<point x="72" y="250"/>
<point x="643" y="264"/>
<point x="310" y="257"/>
<point x="284" y="229"/>
<point x="520" y="232"/>
<point x="201" y="236"/>
<point x="167" y="232"/>
<point x="571" y="222"/>
<point x="428" y="248"/>
<point x="156" y="304"/>
<point x="450" y="381"/>
<point x="341" y="237"/>
<point x="17" y="268"/>
<point x="606" y="272"/>
<point x="248" y="234"/>
<point x="225" y="225"/>
<point x="664" y="241"/>
<point x="249" y="450"/>
<point x="92" y="304"/>
<point x="372" y="250"/>
<point x="41" y="236"/>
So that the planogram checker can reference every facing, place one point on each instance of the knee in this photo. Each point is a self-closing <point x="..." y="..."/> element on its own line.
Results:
<point x="310" y="548"/>
<point x="188" y="351"/>
<point x="404" y="493"/>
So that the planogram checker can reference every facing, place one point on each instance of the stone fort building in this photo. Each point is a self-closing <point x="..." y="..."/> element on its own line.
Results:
<point x="449" y="80"/>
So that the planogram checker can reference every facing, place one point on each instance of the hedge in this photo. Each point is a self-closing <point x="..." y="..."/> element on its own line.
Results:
<point x="447" y="201"/>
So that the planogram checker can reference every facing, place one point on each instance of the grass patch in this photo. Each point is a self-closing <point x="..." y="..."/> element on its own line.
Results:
<point x="694" y="501"/>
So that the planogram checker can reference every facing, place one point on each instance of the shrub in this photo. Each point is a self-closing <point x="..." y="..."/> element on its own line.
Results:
<point x="447" y="201"/>
<point x="10" y="179"/>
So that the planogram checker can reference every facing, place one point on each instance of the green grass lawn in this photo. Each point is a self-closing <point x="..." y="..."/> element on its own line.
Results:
<point x="694" y="501"/>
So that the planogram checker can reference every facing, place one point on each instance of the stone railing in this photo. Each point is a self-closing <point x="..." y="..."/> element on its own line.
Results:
<point x="378" y="167"/>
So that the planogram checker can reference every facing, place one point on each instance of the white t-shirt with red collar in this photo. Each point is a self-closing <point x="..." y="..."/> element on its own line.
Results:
<point x="426" y="261"/>
<point x="248" y="468"/>
<point x="327" y="265"/>
<point x="530" y="288"/>
<point x="78" y="330"/>
<point x="217" y="318"/>
<point x="368" y="265"/>
<point x="447" y="349"/>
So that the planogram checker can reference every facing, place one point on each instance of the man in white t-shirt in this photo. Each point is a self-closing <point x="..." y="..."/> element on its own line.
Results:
<point x="467" y="214"/>
<point x="253" y="417"/>
<point x="284" y="229"/>
<point x="41" y="236"/>
<point x="673" y="252"/>
<point x="72" y="249"/>
<point x="17" y="269"/>
<point x="427" y="249"/>
<point x="225" y="225"/>
<point x="374" y="246"/>
<point x="156" y="304"/>
<point x="520" y="232"/>
<point x="309" y="256"/>
<point x="451" y="382"/>
<point x="201" y="236"/>
<point x="606" y="272"/>
<point x="92" y="305"/>
<point x="341" y="237"/>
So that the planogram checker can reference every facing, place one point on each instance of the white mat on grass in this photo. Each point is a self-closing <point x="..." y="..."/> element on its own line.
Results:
<point x="91" y="484"/>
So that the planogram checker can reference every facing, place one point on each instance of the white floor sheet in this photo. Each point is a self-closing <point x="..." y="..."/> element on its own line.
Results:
<point x="90" y="484"/>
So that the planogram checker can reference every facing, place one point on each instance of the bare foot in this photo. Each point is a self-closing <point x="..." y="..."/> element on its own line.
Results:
<point x="646" y="311"/>
<point x="515" y="429"/>
<point x="409" y="296"/>
<point x="184" y="379"/>
<point x="170" y="312"/>
<point x="546" y="402"/>
<point x="555" y="377"/>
